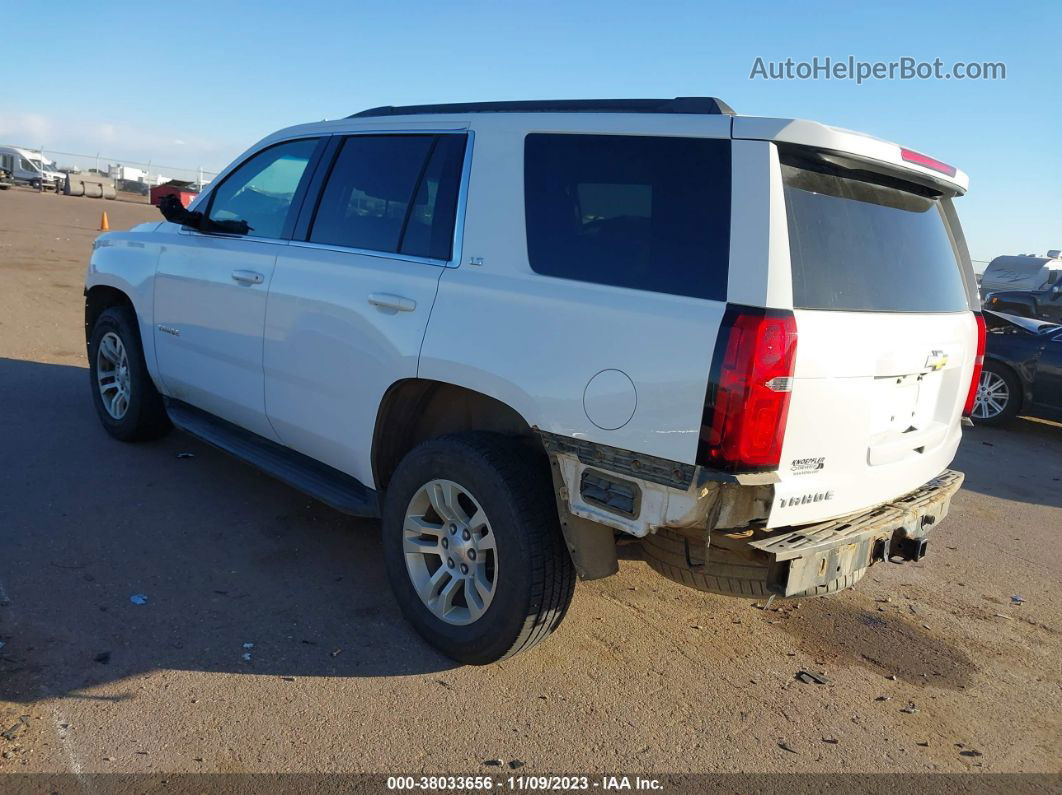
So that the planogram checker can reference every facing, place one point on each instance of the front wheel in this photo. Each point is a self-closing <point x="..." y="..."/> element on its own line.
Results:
<point x="473" y="547"/>
<point x="128" y="405"/>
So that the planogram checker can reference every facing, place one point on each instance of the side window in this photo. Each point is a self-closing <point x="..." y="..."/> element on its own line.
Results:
<point x="643" y="212"/>
<point x="261" y="190"/>
<point x="392" y="193"/>
<point x="430" y="229"/>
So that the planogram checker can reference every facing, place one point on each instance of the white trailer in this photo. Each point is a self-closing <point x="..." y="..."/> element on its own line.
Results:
<point x="1022" y="272"/>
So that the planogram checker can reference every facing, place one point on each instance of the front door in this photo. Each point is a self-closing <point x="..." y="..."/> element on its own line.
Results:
<point x="210" y="289"/>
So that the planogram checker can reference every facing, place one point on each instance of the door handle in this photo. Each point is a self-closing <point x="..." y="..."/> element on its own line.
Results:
<point x="396" y="302"/>
<point x="247" y="277"/>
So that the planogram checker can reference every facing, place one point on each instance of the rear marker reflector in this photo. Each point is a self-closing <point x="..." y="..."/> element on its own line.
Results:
<point x="926" y="161"/>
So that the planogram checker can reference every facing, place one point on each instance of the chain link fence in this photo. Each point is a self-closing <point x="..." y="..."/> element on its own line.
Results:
<point x="132" y="179"/>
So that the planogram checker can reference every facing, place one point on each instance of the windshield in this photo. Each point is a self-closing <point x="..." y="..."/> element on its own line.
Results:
<point x="36" y="165"/>
<point x="863" y="245"/>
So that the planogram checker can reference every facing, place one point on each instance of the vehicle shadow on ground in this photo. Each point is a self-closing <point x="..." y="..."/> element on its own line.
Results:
<point x="225" y="557"/>
<point x="997" y="461"/>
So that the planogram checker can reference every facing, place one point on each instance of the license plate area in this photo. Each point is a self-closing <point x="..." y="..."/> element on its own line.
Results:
<point x="895" y="404"/>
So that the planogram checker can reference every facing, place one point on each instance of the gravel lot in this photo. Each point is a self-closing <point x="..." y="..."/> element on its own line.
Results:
<point x="931" y="666"/>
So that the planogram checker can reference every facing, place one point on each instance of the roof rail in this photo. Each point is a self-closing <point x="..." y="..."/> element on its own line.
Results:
<point x="690" y="105"/>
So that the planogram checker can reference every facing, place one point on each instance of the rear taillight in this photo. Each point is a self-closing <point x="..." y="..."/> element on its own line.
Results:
<point x="926" y="161"/>
<point x="979" y="361"/>
<point x="748" y="399"/>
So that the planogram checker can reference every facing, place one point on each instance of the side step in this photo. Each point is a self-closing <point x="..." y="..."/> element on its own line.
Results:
<point x="322" y="482"/>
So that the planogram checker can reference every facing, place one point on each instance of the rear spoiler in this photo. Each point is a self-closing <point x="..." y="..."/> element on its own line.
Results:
<point x="844" y="144"/>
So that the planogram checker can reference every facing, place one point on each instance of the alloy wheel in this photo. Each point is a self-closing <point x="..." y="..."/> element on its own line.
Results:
<point x="112" y="375"/>
<point x="993" y="394"/>
<point x="450" y="551"/>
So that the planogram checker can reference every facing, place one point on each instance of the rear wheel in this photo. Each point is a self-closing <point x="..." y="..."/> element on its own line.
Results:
<point x="998" y="396"/>
<point x="473" y="548"/>
<point x="128" y="405"/>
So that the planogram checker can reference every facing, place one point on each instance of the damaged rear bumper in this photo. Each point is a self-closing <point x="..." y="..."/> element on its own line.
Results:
<point x="806" y="557"/>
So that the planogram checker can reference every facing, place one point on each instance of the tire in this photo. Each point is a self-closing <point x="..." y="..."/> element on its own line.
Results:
<point x="528" y="569"/>
<point x="731" y="572"/>
<point x="1002" y="387"/>
<point x="142" y="415"/>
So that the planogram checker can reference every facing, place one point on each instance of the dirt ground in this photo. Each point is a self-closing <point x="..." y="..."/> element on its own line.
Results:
<point x="931" y="666"/>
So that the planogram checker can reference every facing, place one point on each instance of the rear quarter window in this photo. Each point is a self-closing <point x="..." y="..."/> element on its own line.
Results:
<point x="862" y="245"/>
<point x="643" y="212"/>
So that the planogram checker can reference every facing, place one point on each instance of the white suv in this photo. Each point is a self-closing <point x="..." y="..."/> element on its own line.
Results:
<point x="519" y="332"/>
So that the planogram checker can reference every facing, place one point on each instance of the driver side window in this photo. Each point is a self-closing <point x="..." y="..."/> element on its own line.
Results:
<point x="261" y="190"/>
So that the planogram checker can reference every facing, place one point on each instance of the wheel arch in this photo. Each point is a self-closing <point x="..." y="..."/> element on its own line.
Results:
<point x="414" y="410"/>
<point x="98" y="299"/>
<point x="103" y="295"/>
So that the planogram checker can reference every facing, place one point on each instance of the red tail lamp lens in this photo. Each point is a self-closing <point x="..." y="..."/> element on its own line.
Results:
<point x="979" y="361"/>
<point x="745" y="421"/>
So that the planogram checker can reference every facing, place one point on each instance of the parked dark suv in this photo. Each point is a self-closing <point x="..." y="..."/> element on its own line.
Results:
<point x="1037" y="304"/>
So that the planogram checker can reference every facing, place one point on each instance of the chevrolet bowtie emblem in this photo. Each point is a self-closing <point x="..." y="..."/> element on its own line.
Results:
<point x="936" y="360"/>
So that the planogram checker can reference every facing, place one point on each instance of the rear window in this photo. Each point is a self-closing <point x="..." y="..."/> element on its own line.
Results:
<point x="643" y="212"/>
<point x="861" y="245"/>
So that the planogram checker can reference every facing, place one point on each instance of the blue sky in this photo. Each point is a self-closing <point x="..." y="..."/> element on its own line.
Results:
<point x="194" y="83"/>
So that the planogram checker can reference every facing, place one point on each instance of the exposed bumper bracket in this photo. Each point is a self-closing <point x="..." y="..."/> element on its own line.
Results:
<point x="807" y="557"/>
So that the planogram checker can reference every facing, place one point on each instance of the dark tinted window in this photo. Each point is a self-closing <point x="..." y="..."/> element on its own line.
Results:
<point x="261" y="190"/>
<point x="631" y="211"/>
<point x="392" y="193"/>
<point x="868" y="246"/>
<point x="430" y="229"/>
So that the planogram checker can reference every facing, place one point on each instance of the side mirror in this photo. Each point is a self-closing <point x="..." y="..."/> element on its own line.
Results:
<point x="175" y="212"/>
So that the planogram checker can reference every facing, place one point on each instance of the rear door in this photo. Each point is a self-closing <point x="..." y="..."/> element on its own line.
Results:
<point x="886" y="340"/>
<point x="351" y="296"/>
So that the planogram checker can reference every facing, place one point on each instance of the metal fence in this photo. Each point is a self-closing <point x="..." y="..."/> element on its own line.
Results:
<point x="135" y="176"/>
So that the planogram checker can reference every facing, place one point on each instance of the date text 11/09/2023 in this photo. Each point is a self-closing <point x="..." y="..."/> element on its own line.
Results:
<point x="526" y="783"/>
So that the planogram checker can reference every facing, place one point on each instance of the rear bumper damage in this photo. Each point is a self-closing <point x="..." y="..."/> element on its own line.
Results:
<point x="803" y="558"/>
<point x="719" y="523"/>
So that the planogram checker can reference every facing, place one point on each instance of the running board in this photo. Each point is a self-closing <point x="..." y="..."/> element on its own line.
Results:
<point x="322" y="482"/>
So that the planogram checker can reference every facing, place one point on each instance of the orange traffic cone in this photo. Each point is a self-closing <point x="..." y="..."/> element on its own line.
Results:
<point x="104" y="225"/>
